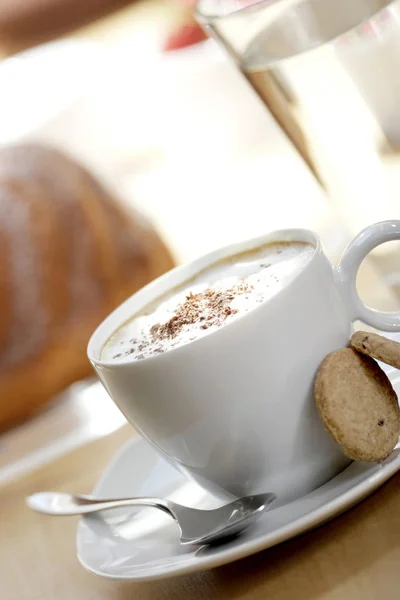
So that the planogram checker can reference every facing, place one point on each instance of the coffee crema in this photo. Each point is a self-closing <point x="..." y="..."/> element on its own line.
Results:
<point x="215" y="297"/>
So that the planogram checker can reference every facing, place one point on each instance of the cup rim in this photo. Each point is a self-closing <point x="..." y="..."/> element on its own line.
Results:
<point x="289" y="16"/>
<point x="206" y="17"/>
<point x="176" y="277"/>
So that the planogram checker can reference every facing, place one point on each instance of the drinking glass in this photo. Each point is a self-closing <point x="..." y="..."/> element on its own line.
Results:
<point x="329" y="73"/>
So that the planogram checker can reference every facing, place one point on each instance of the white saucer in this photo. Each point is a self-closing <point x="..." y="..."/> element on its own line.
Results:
<point x="138" y="545"/>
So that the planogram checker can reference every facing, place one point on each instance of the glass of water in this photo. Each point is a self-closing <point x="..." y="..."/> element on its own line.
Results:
<point x="329" y="72"/>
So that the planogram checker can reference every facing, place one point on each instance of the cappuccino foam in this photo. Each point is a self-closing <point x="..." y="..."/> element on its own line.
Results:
<point x="215" y="297"/>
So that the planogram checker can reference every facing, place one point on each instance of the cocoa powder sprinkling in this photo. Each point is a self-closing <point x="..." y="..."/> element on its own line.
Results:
<point x="209" y="308"/>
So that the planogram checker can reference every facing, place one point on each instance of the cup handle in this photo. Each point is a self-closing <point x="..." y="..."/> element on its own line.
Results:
<point x="346" y="274"/>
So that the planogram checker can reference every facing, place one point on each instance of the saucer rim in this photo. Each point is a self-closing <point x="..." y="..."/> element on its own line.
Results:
<point x="301" y="525"/>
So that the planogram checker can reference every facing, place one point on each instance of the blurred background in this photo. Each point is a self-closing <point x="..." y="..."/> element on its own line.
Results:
<point x="212" y="138"/>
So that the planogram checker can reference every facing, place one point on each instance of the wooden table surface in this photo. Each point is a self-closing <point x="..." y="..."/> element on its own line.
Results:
<point x="356" y="556"/>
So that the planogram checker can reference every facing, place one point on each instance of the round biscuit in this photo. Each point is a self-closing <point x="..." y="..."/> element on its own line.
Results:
<point x="358" y="405"/>
<point x="377" y="346"/>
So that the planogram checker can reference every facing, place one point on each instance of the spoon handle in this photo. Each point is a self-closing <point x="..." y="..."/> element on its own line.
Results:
<point x="57" y="503"/>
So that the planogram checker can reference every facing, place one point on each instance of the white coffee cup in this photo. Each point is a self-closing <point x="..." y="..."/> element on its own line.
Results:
<point x="234" y="409"/>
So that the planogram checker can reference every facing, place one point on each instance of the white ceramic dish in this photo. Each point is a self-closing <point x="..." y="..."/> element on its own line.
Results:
<point x="143" y="545"/>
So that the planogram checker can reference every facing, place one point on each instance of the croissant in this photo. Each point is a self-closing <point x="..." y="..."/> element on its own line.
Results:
<point x="69" y="255"/>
